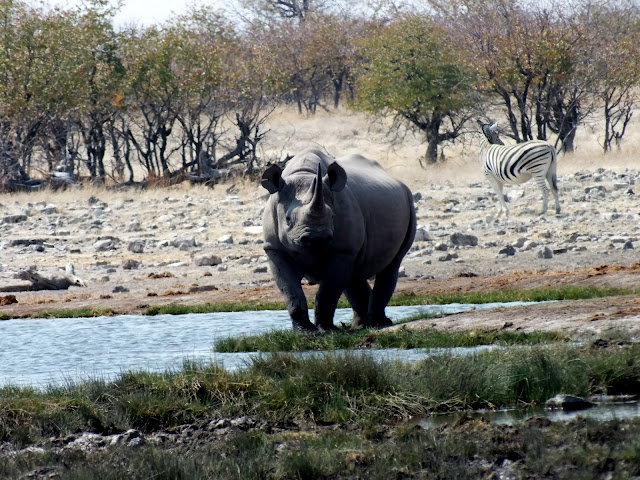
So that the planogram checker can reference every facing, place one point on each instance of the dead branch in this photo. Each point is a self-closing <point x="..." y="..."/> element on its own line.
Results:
<point x="39" y="282"/>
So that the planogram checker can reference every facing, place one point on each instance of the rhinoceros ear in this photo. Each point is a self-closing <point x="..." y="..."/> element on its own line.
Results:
<point x="272" y="179"/>
<point x="336" y="177"/>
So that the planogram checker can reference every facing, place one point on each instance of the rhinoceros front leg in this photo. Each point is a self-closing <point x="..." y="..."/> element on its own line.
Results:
<point x="288" y="278"/>
<point x="338" y="273"/>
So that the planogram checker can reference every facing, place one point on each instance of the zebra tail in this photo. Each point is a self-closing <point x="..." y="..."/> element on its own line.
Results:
<point x="552" y="167"/>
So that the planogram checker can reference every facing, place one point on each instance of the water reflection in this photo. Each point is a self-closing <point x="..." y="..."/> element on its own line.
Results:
<point x="40" y="352"/>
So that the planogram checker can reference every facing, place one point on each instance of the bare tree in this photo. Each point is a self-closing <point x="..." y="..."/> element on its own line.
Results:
<point x="615" y="30"/>
<point x="535" y="59"/>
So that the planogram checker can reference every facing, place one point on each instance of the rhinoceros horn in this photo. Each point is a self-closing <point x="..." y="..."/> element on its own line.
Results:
<point x="316" y="206"/>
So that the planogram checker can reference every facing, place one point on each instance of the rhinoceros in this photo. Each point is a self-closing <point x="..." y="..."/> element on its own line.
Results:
<point x="339" y="223"/>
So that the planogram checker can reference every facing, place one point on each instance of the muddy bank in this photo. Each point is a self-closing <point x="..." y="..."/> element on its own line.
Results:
<point x="237" y="447"/>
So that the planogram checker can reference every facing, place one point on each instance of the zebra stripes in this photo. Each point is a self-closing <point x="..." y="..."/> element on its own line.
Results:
<point x="518" y="164"/>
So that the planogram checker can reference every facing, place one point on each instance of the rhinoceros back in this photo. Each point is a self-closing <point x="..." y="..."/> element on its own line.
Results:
<point x="387" y="210"/>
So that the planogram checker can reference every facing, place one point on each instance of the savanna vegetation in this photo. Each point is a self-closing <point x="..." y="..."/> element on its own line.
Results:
<point x="344" y="408"/>
<point x="474" y="449"/>
<point x="80" y="97"/>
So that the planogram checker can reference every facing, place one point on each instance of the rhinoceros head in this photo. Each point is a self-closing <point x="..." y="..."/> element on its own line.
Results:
<point x="305" y="206"/>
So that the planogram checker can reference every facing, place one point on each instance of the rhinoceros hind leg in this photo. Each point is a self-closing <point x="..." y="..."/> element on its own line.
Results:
<point x="383" y="289"/>
<point x="358" y="293"/>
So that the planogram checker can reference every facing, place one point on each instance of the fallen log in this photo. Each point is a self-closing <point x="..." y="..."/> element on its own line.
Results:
<point x="38" y="281"/>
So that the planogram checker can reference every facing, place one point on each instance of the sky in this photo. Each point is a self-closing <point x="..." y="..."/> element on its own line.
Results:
<point x="148" y="12"/>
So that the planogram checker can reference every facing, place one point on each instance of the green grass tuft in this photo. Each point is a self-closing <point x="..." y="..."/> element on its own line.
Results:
<point x="567" y="292"/>
<point x="564" y="292"/>
<point x="176" y="309"/>
<point x="294" y="341"/>
<point x="76" y="313"/>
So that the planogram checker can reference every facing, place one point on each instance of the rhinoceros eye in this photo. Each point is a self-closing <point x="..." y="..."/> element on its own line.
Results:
<point x="288" y="220"/>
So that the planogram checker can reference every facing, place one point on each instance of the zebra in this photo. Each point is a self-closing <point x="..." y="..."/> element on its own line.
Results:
<point x="517" y="164"/>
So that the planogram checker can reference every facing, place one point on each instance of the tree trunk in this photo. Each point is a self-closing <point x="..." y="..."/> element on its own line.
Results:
<point x="432" y="151"/>
<point x="568" y="142"/>
<point x="568" y="125"/>
<point x="433" y="138"/>
<point x="337" y="89"/>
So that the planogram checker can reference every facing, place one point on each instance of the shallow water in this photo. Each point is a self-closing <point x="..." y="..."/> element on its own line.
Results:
<point x="41" y="352"/>
<point x="602" y="411"/>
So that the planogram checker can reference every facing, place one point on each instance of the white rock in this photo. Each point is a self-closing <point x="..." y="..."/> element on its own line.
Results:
<point x="441" y="247"/>
<point x="134" y="226"/>
<point x="104" y="245"/>
<point x="253" y="230"/>
<point x="228" y="238"/>
<point x="208" y="261"/>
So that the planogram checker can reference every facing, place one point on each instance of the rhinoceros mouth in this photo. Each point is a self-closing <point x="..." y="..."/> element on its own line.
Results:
<point x="315" y="243"/>
<point x="312" y="240"/>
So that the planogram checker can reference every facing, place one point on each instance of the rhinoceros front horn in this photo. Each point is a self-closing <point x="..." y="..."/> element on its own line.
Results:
<point x="316" y="206"/>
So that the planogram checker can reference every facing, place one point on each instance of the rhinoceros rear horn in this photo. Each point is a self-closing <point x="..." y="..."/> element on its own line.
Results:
<point x="336" y="177"/>
<point x="272" y="179"/>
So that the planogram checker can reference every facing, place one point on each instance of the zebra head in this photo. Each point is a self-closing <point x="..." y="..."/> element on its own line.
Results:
<point x="491" y="132"/>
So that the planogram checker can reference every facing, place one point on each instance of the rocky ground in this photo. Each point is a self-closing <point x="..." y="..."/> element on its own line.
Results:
<point x="193" y="244"/>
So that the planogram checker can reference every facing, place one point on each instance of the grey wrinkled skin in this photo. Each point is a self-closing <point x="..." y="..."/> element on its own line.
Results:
<point x="339" y="223"/>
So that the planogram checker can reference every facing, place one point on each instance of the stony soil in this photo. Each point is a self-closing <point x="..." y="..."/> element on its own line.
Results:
<point x="193" y="245"/>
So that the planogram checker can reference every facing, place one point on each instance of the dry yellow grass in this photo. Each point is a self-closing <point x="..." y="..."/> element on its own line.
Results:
<point x="341" y="132"/>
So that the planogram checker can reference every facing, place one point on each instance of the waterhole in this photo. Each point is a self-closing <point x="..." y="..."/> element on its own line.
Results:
<point x="42" y="352"/>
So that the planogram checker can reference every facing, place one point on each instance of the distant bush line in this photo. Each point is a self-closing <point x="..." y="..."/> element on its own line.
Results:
<point x="189" y="99"/>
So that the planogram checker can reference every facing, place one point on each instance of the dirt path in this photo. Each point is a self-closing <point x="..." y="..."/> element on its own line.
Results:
<point x="578" y="318"/>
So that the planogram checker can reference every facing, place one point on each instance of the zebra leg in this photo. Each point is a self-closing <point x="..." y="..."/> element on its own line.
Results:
<point x="502" y="205"/>
<point x="553" y="183"/>
<point x="555" y="197"/>
<point x="545" y="194"/>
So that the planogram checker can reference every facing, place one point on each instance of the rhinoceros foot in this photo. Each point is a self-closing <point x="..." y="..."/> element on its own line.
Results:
<point x="303" y="326"/>
<point x="378" y="322"/>
<point x="328" y="328"/>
